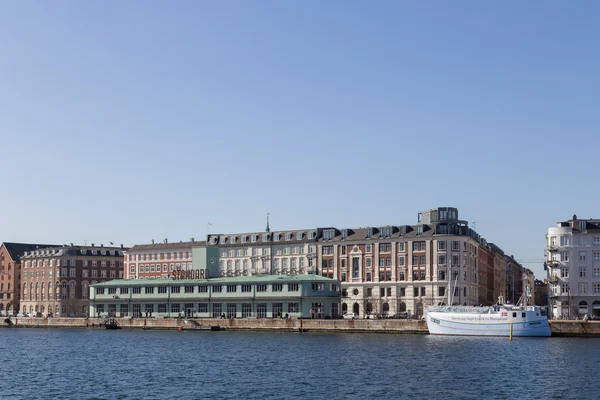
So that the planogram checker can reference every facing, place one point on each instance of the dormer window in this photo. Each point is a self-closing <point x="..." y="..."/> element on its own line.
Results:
<point x="344" y="234"/>
<point x="582" y="226"/>
<point x="419" y="229"/>
<point x="222" y="240"/>
<point x="288" y="236"/>
<point x="94" y="252"/>
<point x="386" y="232"/>
<point x="83" y="252"/>
<point x="299" y="236"/>
<point x="265" y="237"/>
<point x="103" y="252"/>
<point x="328" y="234"/>
<point x="232" y="239"/>
<point x="276" y="237"/>
<point x="254" y="238"/>
<point x="213" y="240"/>
<point x="369" y="233"/>
<point x="312" y="235"/>
<point x="244" y="239"/>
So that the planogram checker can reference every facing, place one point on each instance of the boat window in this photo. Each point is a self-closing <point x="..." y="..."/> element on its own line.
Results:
<point x="514" y="315"/>
<point x="523" y="315"/>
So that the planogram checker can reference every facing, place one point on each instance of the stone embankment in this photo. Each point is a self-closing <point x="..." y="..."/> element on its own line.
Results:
<point x="559" y="327"/>
<point x="291" y="325"/>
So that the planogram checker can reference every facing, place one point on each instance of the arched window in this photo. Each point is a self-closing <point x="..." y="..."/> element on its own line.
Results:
<point x="356" y="308"/>
<point x="369" y="307"/>
<point x="386" y="309"/>
<point x="583" y="307"/>
<point x="64" y="284"/>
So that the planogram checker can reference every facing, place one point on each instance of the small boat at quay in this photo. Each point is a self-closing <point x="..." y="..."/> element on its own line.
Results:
<point x="488" y="321"/>
<point x="499" y="320"/>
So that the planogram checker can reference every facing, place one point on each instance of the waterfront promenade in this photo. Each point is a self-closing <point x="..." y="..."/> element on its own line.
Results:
<point x="398" y="326"/>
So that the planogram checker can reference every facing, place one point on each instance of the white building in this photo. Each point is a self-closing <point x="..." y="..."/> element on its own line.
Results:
<point x="573" y="260"/>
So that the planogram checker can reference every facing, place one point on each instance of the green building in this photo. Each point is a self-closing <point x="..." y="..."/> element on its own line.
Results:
<point x="268" y="296"/>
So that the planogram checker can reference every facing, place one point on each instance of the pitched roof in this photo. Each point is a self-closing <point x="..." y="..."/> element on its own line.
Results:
<point x="162" y="245"/>
<point x="16" y="250"/>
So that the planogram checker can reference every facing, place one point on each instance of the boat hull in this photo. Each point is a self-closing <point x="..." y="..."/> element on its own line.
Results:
<point x="442" y="324"/>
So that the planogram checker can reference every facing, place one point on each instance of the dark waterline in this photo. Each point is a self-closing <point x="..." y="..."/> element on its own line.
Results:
<point x="99" y="364"/>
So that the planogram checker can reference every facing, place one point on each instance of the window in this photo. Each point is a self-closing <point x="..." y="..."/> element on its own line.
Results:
<point x="455" y="260"/>
<point x="343" y="249"/>
<point x="596" y="288"/>
<point x="344" y="277"/>
<point x="564" y="256"/>
<point x="564" y="240"/>
<point x="442" y="245"/>
<point x="455" y="245"/>
<point x="124" y="290"/>
<point x="231" y="288"/>
<point x="328" y="234"/>
<point x="176" y="289"/>
<point x="136" y="290"/>
<point x="175" y="308"/>
<point x="389" y="292"/>
<point x="596" y="241"/>
<point x="318" y="287"/>
<point x="369" y="248"/>
<point x="112" y="290"/>
<point x="565" y="288"/>
<point x="582" y="255"/>
<point x="277" y="287"/>
<point x="369" y="276"/>
<point x="596" y="272"/>
<point x="596" y="255"/>
<point x="564" y="272"/>
<point x="292" y="287"/>
<point x="441" y="291"/>
<point x="293" y="307"/>
<point x="416" y="292"/>
<point x="355" y="268"/>
<point x="419" y="246"/>
<point x="582" y="272"/>
<point x="385" y="247"/>
<point x="441" y="259"/>
<point x="261" y="310"/>
<point x="99" y="290"/>
<point x="401" y="246"/>
<point x="217" y="289"/>
<point x="423" y="292"/>
<point x="246" y="288"/>
<point x="327" y="250"/>
<point x="261" y="288"/>
<point x="203" y="289"/>
<point x="369" y="262"/>
<point x="401" y="275"/>
<point x="583" y="288"/>
<point x="231" y="310"/>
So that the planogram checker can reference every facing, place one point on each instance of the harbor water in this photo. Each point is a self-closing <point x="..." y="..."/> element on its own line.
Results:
<point x="100" y="364"/>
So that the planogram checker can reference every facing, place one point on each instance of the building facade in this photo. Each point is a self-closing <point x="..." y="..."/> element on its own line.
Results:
<point x="268" y="296"/>
<point x="159" y="260"/>
<point x="573" y="268"/>
<point x="261" y="253"/>
<point x="383" y="270"/>
<point x="56" y="280"/>
<point x="10" y="275"/>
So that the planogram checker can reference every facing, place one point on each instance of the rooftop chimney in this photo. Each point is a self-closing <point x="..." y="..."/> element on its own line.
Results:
<point x="121" y="245"/>
<point x="152" y="241"/>
<point x="191" y="239"/>
<point x="71" y="244"/>
<point x="101" y="245"/>
<point x="92" y="244"/>
<point x="166" y="241"/>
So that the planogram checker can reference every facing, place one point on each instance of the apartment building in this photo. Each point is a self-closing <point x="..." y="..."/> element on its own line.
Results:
<point x="10" y="275"/>
<point x="573" y="268"/>
<point x="159" y="260"/>
<point x="56" y="280"/>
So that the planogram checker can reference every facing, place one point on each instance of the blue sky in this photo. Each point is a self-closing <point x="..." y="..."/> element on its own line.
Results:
<point x="134" y="121"/>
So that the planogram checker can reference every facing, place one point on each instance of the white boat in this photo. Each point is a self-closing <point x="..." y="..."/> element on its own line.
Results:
<point x="499" y="320"/>
<point x="488" y="321"/>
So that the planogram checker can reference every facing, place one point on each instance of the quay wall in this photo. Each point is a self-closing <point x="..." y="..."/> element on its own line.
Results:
<point x="559" y="327"/>
<point x="291" y="325"/>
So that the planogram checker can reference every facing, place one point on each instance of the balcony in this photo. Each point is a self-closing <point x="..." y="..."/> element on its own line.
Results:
<point x="552" y="263"/>
<point x="552" y="248"/>
<point x="553" y="279"/>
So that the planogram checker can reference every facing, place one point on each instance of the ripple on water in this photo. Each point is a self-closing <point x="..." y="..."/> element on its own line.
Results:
<point x="100" y="364"/>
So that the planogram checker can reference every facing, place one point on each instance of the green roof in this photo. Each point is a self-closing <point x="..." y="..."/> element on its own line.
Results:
<point x="224" y="280"/>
